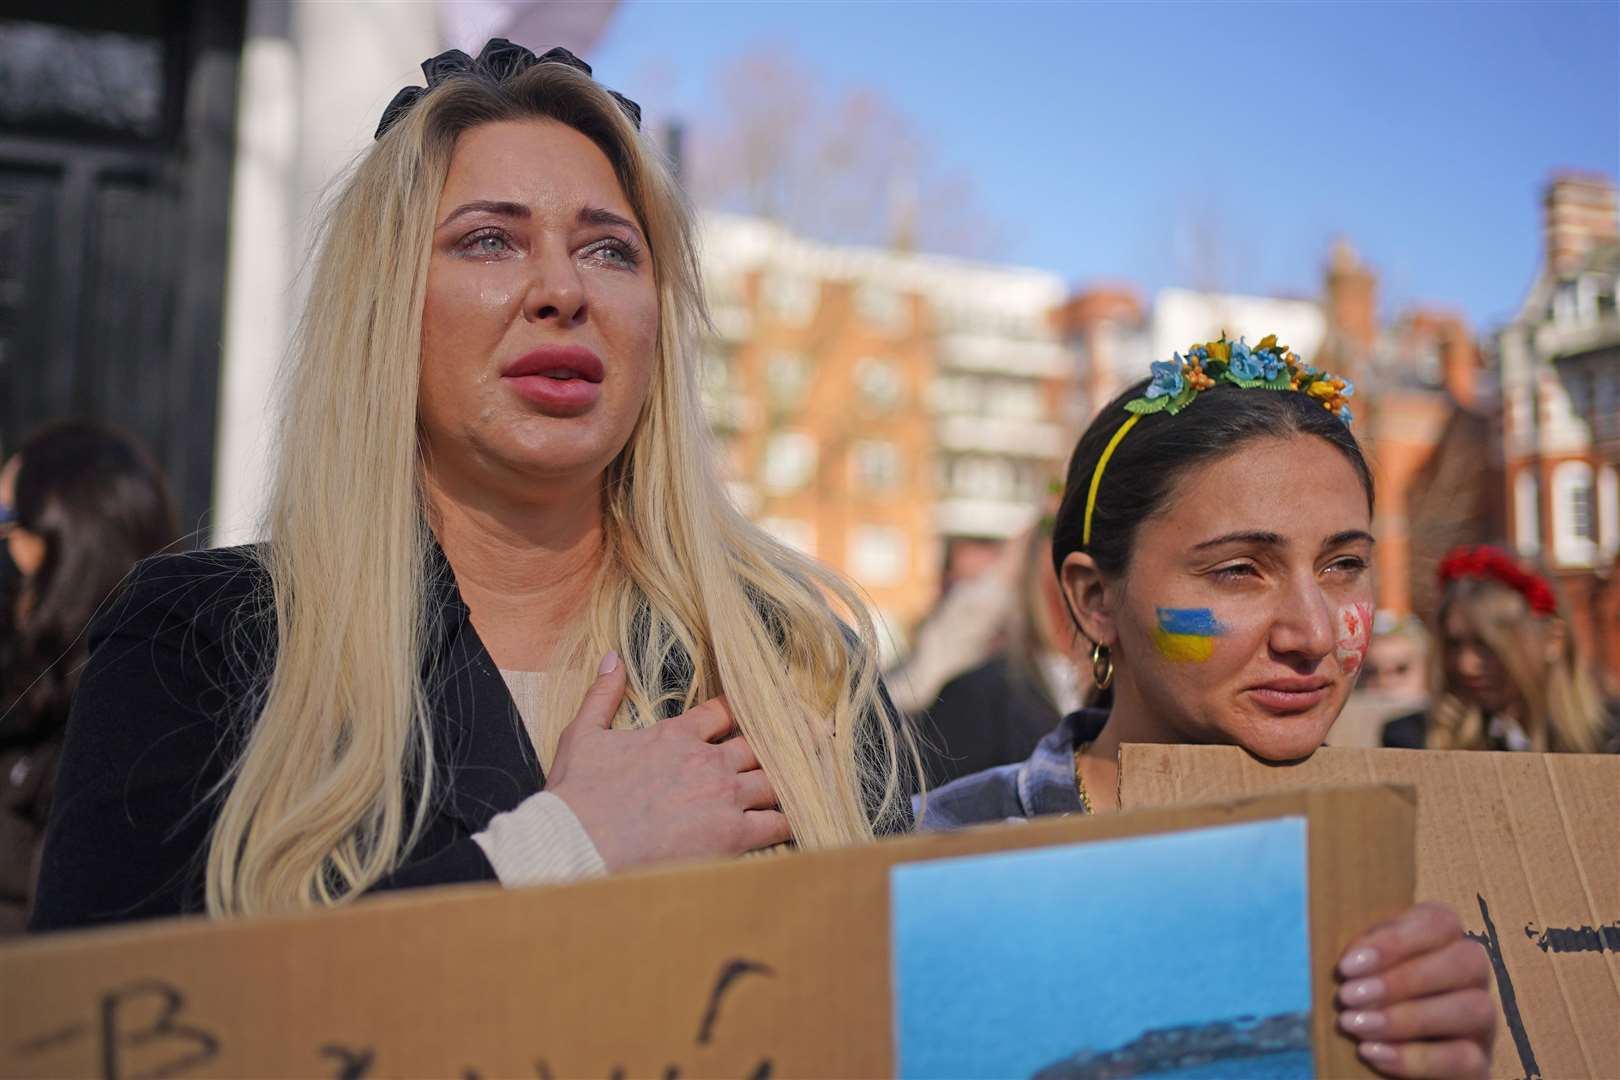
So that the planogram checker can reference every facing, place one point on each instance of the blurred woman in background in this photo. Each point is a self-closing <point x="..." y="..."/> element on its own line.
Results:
<point x="1398" y="659"/>
<point x="1510" y="670"/>
<point x="995" y="712"/>
<point x="79" y="505"/>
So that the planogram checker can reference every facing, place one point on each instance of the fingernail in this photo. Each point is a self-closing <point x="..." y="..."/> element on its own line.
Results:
<point x="1367" y="1022"/>
<point x="609" y="662"/>
<point x="1362" y="992"/>
<point x="1358" y="962"/>
<point x="1376" y="1052"/>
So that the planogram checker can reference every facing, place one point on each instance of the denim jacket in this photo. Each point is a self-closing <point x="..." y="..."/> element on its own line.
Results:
<point x="1043" y="783"/>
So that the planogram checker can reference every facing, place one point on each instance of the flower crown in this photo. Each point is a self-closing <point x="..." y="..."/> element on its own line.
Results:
<point x="1178" y="381"/>
<point x="1482" y="563"/>
<point x="498" y="61"/>
<point x="1268" y="366"/>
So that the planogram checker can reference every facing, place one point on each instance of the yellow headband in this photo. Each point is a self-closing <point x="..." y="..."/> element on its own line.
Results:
<point x="1175" y="384"/>
<point x="1096" y="475"/>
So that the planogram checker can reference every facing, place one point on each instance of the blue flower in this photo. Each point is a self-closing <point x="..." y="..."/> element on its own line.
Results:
<point x="1245" y="364"/>
<point x="1167" y="381"/>
<point x="1346" y="415"/>
<point x="1271" y="364"/>
<point x="1349" y="389"/>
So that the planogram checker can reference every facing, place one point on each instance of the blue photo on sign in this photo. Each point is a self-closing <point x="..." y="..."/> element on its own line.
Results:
<point x="1182" y="955"/>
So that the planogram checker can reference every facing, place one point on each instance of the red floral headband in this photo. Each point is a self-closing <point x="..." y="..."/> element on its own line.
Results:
<point x="1492" y="564"/>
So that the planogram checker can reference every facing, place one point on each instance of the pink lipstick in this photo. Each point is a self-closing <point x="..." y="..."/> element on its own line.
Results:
<point x="562" y="380"/>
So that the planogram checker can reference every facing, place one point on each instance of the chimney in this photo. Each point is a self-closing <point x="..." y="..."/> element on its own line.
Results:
<point x="1579" y="213"/>
<point x="1088" y="318"/>
<point x="1352" y="295"/>
<point x="1457" y="355"/>
<point x="1459" y="361"/>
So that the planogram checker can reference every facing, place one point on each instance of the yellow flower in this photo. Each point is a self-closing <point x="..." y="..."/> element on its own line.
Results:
<point x="1321" y="389"/>
<point x="1219" y="350"/>
<point x="1266" y="342"/>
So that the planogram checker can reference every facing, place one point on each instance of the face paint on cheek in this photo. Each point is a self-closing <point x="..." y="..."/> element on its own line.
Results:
<point x="1187" y="635"/>
<point x="1354" y="637"/>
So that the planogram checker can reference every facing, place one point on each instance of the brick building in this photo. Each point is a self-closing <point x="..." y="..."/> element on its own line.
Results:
<point x="1423" y="417"/>
<point x="1559" y="368"/>
<point x="897" y="416"/>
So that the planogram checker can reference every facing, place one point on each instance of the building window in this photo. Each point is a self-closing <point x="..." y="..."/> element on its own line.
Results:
<point x="1564" y="311"/>
<point x="1574" y="506"/>
<point x="55" y="77"/>
<point x="879" y="384"/>
<point x="1608" y="391"/>
<point x="1016" y="399"/>
<point x="1526" y="513"/>
<point x="876" y="465"/>
<point x="877" y="555"/>
<point x="791" y="297"/>
<point x="787" y="375"/>
<point x="790" y="461"/>
<point x="796" y="534"/>
<point x="955" y="393"/>
<point x="984" y="478"/>
<point x="1608" y="491"/>
<point x="881" y="306"/>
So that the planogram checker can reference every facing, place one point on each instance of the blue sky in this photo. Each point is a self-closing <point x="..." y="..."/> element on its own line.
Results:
<point x="1096" y="133"/>
<point x="1006" y="963"/>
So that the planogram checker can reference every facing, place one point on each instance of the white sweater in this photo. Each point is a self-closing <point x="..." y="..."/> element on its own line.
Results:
<point x="539" y="841"/>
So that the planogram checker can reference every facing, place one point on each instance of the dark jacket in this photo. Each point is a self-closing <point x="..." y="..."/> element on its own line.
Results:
<point x="1043" y="783"/>
<point x="991" y="715"/>
<point x="159" y="717"/>
<point x="1411" y="732"/>
<point x="27" y="779"/>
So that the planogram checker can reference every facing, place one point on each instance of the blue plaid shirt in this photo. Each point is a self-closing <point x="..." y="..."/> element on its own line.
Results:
<point x="1043" y="783"/>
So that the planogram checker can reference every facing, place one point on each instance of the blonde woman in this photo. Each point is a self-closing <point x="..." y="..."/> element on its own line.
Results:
<point x="1511" y="673"/>
<point x="493" y="502"/>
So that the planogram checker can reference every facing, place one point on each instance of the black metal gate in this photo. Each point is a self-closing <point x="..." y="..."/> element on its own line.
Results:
<point x="117" y="132"/>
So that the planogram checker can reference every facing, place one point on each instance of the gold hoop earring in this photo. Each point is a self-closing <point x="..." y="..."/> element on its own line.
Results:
<point x="1102" y="667"/>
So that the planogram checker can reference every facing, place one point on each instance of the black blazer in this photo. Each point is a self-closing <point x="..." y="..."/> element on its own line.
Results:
<point x="159" y="715"/>
<point x="988" y="716"/>
<point x="158" y="718"/>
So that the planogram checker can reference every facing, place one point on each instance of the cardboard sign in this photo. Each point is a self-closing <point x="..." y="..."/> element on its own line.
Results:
<point x="765" y="967"/>
<point x="1526" y="847"/>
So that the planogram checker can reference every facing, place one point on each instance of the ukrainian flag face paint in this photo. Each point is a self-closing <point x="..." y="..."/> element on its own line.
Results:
<point x="1187" y="635"/>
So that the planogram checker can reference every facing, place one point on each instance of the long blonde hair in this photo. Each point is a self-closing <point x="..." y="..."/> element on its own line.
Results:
<point x="1562" y="710"/>
<point x="336" y="780"/>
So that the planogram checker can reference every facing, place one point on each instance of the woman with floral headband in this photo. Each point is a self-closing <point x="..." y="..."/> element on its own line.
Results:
<point x="494" y="487"/>
<point x="1215" y="545"/>
<point x="1510" y="671"/>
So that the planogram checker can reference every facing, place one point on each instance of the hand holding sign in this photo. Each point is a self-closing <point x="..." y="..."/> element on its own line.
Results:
<point x="679" y="789"/>
<point x="1418" y="997"/>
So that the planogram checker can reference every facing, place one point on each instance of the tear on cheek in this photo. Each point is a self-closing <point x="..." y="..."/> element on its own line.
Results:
<point x="1354" y="636"/>
<point x="1187" y="635"/>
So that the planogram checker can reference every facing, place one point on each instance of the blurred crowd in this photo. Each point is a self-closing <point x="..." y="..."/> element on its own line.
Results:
<point x="80" y="504"/>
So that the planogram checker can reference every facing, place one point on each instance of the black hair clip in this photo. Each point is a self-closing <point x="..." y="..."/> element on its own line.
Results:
<point x="498" y="61"/>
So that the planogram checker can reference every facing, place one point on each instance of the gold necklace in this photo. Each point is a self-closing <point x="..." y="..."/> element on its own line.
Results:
<point x="1080" y="781"/>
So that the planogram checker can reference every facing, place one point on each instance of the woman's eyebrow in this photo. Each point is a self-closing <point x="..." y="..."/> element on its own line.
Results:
<point x="1269" y="539"/>
<point x="1349" y="536"/>
<point x="502" y="209"/>
<point x="596" y="215"/>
